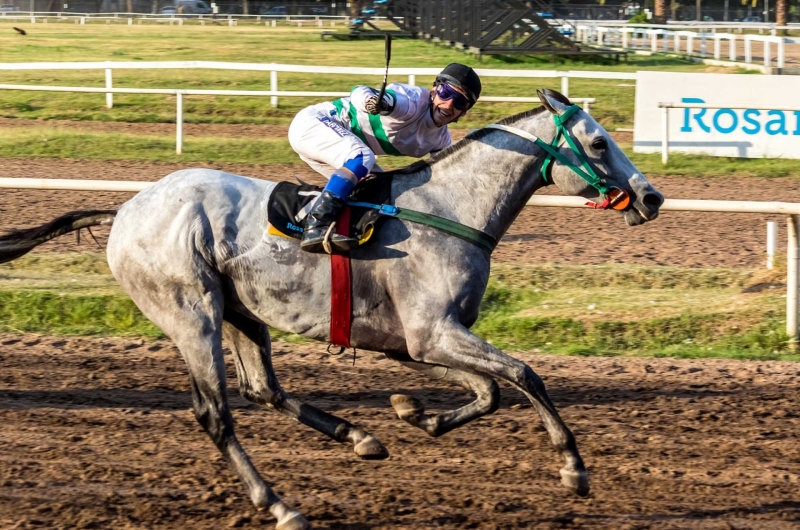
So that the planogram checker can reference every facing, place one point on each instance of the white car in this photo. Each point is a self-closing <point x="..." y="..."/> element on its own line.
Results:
<point x="8" y="8"/>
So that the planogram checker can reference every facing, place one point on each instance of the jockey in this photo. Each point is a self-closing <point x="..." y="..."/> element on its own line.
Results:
<point x="340" y="139"/>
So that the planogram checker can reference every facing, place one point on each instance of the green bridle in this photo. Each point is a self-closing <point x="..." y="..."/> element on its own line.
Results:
<point x="613" y="196"/>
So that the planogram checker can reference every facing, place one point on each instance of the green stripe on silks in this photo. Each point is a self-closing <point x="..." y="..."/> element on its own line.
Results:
<point x="380" y="133"/>
<point x="339" y="104"/>
<point x="355" y="127"/>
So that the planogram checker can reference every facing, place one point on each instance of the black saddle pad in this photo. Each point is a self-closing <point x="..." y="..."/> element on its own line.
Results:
<point x="290" y="203"/>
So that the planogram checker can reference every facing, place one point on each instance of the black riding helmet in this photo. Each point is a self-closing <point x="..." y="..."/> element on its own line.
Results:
<point x="463" y="77"/>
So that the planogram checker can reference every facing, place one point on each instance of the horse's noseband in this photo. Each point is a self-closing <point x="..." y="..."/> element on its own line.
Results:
<point x="614" y="198"/>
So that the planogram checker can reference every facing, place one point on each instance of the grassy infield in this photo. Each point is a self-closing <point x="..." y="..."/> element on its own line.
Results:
<point x="579" y="310"/>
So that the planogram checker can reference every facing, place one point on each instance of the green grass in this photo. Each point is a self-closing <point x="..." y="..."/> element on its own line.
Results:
<point x="68" y="42"/>
<point x="58" y="143"/>
<point x="575" y="310"/>
<point x="52" y="142"/>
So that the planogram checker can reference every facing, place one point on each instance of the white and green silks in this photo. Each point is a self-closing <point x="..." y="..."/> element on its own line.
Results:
<point x="406" y="130"/>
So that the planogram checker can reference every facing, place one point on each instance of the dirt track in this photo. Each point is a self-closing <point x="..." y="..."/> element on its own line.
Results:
<point x="98" y="433"/>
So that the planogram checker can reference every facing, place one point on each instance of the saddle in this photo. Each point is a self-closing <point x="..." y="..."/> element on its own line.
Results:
<point x="290" y="203"/>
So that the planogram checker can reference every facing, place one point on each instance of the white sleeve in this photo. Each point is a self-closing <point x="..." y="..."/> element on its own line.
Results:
<point x="408" y="100"/>
<point x="447" y="141"/>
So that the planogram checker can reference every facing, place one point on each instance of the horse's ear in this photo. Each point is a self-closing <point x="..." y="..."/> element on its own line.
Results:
<point x="553" y="101"/>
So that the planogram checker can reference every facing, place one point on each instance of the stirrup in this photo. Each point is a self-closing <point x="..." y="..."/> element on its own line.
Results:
<point x="326" y="241"/>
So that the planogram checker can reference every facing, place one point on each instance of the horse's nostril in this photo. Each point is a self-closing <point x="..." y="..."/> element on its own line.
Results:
<point x="653" y="200"/>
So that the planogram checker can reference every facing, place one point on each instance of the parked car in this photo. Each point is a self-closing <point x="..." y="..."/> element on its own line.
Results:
<point x="319" y="10"/>
<point x="8" y="8"/>
<point x="168" y="10"/>
<point x="751" y="19"/>
<point x="274" y="10"/>
<point x="707" y="18"/>
<point x="192" y="7"/>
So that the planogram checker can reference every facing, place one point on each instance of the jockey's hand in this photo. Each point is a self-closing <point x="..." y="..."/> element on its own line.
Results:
<point x="374" y="106"/>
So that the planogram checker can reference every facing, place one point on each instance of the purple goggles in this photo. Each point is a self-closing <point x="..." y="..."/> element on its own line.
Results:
<point x="446" y="92"/>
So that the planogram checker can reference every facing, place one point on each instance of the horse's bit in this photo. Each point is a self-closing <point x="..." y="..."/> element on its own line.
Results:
<point x="614" y="198"/>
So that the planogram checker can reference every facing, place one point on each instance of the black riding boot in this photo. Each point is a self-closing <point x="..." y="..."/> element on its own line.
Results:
<point x="325" y="212"/>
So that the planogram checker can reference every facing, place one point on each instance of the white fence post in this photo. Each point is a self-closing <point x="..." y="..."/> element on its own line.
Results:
<point x="109" y="84"/>
<point x="179" y="123"/>
<point x="748" y="49"/>
<point x="772" y="240"/>
<point x="273" y="85"/>
<point x="732" y="48"/>
<point x="717" y="47"/>
<point x="781" y="52"/>
<point x="767" y="53"/>
<point x="412" y="80"/>
<point x="690" y="45"/>
<point x="565" y="85"/>
<point x="791" y="279"/>
<point x="677" y="45"/>
<point x="664" y="135"/>
<point x="624" y="38"/>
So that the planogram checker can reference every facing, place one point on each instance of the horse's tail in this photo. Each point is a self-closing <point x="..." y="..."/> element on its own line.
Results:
<point x="17" y="243"/>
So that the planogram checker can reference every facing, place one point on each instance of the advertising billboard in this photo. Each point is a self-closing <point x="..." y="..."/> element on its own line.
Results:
<point x="750" y="123"/>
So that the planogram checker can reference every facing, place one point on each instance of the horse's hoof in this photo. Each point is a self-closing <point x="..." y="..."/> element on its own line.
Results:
<point x="371" y="449"/>
<point x="408" y="408"/>
<point x="293" y="521"/>
<point x="576" y="481"/>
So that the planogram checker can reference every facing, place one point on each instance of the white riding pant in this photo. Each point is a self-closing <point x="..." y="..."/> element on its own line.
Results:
<point x="324" y="143"/>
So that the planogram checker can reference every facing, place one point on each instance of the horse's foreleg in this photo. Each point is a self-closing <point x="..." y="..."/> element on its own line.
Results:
<point x="250" y="342"/>
<point x="411" y="410"/>
<point x="454" y="346"/>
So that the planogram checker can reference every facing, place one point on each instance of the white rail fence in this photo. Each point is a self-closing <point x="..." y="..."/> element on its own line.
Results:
<point x="273" y="93"/>
<point x="658" y="40"/>
<point x="769" y="27"/>
<point x="177" y="18"/>
<point x="791" y="210"/>
<point x="665" y="119"/>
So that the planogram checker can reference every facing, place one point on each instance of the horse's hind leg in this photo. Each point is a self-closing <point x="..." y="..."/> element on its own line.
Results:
<point x="249" y="340"/>
<point x="411" y="410"/>
<point x="192" y="316"/>
<point x="201" y="347"/>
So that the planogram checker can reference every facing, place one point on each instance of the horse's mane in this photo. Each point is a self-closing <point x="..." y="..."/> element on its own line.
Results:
<point x="461" y="144"/>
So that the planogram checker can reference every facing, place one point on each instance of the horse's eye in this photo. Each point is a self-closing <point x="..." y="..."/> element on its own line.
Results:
<point x="600" y="144"/>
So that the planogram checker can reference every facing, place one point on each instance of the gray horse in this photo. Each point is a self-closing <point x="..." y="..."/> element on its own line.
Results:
<point x="193" y="254"/>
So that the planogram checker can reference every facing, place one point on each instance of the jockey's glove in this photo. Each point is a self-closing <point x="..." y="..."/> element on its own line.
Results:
<point x="374" y="106"/>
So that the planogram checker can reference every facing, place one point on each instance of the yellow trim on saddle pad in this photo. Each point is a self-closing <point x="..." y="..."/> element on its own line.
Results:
<point x="275" y="232"/>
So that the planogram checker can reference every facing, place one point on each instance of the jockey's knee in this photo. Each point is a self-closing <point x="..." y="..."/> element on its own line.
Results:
<point x="360" y="163"/>
<point x="345" y="178"/>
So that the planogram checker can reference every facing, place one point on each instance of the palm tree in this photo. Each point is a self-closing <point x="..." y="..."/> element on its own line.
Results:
<point x="781" y="11"/>
<point x="355" y="8"/>
<point x="660" y="15"/>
